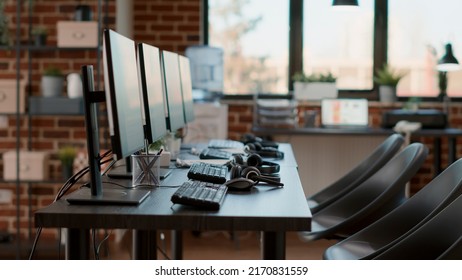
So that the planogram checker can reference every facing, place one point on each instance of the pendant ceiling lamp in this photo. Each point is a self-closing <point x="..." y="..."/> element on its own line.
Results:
<point x="345" y="3"/>
<point x="448" y="62"/>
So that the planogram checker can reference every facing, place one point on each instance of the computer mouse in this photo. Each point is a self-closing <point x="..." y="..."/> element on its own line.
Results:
<point x="240" y="184"/>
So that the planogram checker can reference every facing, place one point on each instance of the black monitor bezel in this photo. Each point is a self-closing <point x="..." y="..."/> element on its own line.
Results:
<point x="172" y="126"/>
<point x="186" y="89"/>
<point x="151" y="134"/>
<point x="118" y="150"/>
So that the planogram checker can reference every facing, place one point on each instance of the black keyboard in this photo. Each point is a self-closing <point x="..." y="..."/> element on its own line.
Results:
<point x="215" y="154"/>
<point x="225" y="144"/>
<point x="200" y="194"/>
<point x="208" y="172"/>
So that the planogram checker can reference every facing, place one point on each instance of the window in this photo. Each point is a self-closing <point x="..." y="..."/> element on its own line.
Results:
<point x="417" y="33"/>
<point x="254" y="35"/>
<point x="339" y="41"/>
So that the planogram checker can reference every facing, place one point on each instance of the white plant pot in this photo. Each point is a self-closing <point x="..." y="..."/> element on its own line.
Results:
<point x="314" y="91"/>
<point x="52" y="86"/>
<point x="74" y="85"/>
<point x="387" y="94"/>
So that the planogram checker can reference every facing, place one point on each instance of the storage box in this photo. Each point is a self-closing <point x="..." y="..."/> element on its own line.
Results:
<point x="77" y="33"/>
<point x="32" y="165"/>
<point x="8" y="97"/>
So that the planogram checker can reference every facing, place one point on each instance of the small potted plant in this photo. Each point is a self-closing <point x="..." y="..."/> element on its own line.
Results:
<point x="52" y="82"/>
<point x="387" y="79"/>
<point x="315" y="86"/>
<point x="4" y="32"/>
<point x="67" y="155"/>
<point x="39" y="33"/>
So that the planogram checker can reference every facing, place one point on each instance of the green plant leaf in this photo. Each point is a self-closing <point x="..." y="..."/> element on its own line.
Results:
<point x="388" y="76"/>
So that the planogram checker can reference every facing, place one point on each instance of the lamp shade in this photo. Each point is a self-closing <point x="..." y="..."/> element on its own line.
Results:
<point x="448" y="62"/>
<point x="345" y="3"/>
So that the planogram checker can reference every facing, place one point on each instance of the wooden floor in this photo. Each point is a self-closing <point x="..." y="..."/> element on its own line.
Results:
<point x="220" y="245"/>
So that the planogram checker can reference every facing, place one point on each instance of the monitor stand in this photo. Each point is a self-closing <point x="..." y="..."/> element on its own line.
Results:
<point x="96" y="195"/>
<point x="108" y="197"/>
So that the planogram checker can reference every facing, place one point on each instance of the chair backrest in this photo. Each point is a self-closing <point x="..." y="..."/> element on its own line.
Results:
<point x="375" y="197"/>
<point x="437" y="238"/>
<point x="373" y="162"/>
<point x="454" y="252"/>
<point x="403" y="220"/>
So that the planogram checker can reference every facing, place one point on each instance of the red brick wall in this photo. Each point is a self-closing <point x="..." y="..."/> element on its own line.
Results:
<point x="169" y="25"/>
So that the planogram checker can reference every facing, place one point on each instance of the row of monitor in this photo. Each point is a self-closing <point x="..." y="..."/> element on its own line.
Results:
<point x="148" y="93"/>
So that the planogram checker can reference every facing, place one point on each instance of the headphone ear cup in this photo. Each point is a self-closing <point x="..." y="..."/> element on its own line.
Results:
<point x="250" y="147"/>
<point x="258" y="146"/>
<point x="235" y="172"/>
<point x="254" y="160"/>
<point x="254" y="174"/>
<point x="251" y="172"/>
<point x="238" y="159"/>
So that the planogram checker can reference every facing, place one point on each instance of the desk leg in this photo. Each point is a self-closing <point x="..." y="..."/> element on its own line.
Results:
<point x="437" y="155"/>
<point x="177" y="244"/>
<point x="273" y="245"/>
<point x="144" y="245"/>
<point x="77" y="244"/>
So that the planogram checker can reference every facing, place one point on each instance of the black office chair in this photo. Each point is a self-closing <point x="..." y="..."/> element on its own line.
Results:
<point x="439" y="238"/>
<point x="421" y="207"/>
<point x="454" y="252"/>
<point x="375" y="197"/>
<point x="381" y="155"/>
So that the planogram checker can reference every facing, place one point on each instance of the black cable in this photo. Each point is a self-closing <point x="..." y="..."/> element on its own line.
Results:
<point x="95" y="249"/>
<point x="61" y="192"/>
<point x="34" y="245"/>
<point x="163" y="253"/>
<point x="102" y="241"/>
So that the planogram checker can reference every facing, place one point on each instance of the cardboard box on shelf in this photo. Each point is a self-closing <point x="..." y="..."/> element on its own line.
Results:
<point x="33" y="165"/>
<point x="77" y="34"/>
<point x="9" y="97"/>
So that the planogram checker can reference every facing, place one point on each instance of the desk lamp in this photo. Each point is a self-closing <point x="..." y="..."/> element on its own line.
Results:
<point x="447" y="63"/>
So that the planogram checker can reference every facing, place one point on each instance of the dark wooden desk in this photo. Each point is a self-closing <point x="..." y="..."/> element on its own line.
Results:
<point x="437" y="134"/>
<point x="270" y="210"/>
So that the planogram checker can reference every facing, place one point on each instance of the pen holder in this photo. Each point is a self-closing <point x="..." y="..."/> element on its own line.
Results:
<point x="146" y="170"/>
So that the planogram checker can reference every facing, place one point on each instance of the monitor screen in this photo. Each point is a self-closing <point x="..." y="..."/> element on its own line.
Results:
<point x="171" y="74"/>
<point x="186" y="89"/>
<point x="152" y="92"/>
<point x="122" y="94"/>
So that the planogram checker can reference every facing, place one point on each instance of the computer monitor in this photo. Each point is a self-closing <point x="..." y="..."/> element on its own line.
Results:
<point x="122" y="94"/>
<point x="173" y="95"/>
<point x="122" y="97"/>
<point x="152" y="92"/>
<point x="186" y="88"/>
<point x="344" y="112"/>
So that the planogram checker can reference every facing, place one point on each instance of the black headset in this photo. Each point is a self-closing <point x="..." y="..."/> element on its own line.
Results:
<point x="248" y="138"/>
<point x="255" y="160"/>
<point x="266" y="152"/>
<point x="252" y="173"/>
